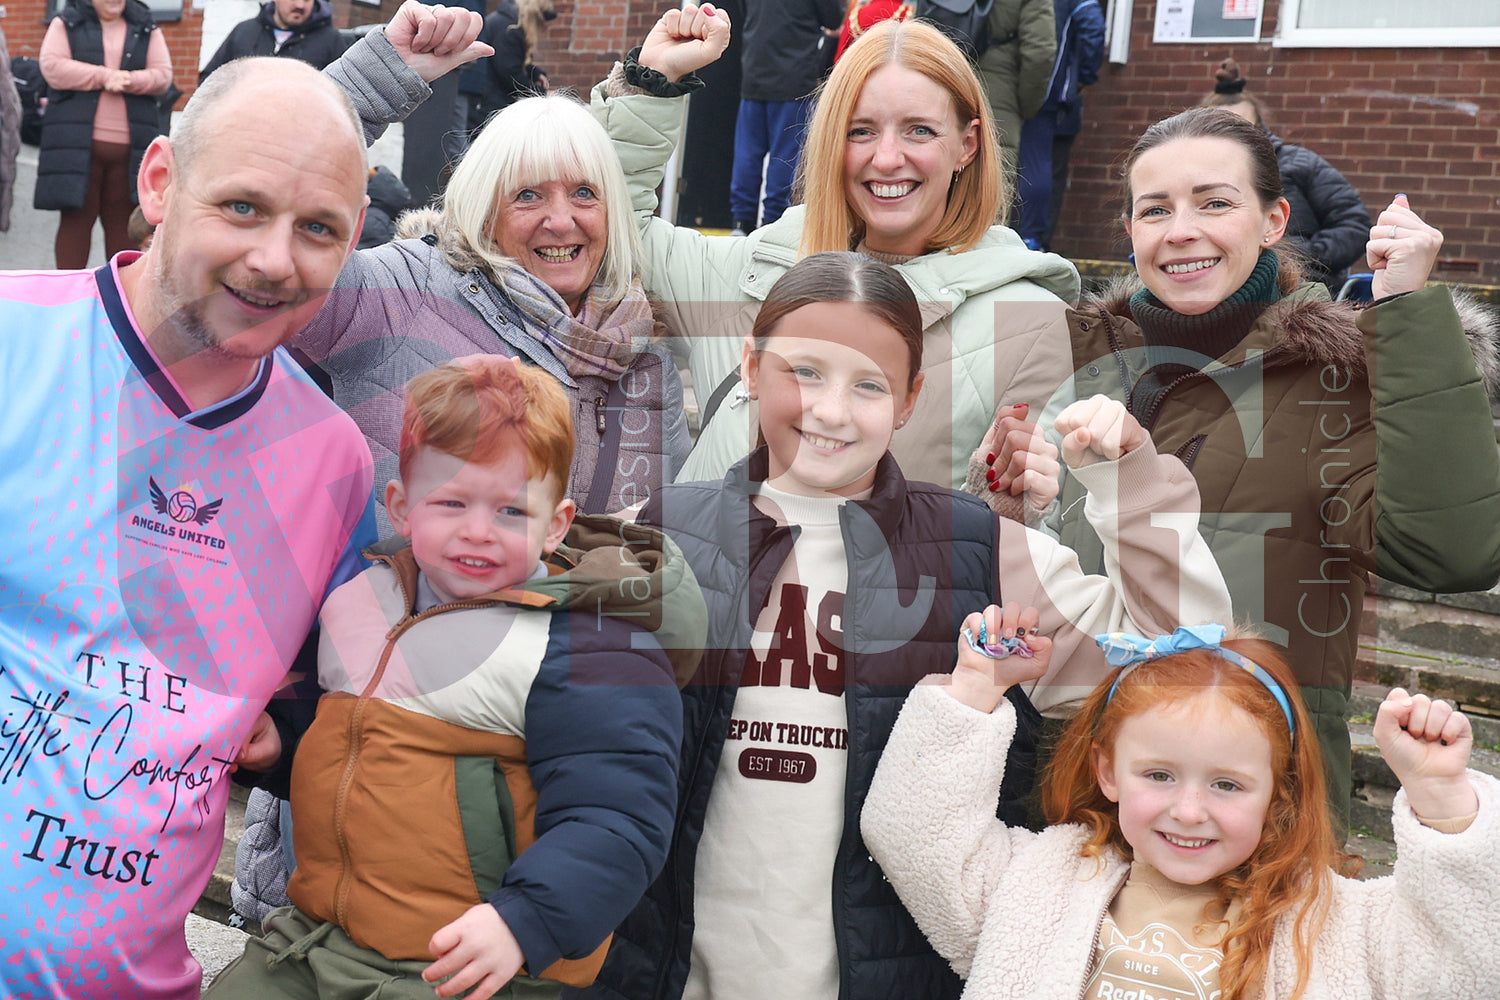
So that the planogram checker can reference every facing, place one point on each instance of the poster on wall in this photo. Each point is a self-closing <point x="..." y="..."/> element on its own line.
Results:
<point x="1207" y="21"/>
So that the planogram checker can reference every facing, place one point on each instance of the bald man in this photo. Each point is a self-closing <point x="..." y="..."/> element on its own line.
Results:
<point x="178" y="498"/>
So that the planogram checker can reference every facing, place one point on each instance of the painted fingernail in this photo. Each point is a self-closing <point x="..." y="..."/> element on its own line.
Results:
<point x="989" y="459"/>
<point x="990" y="475"/>
<point x="1020" y="632"/>
<point x="994" y="487"/>
<point x="1023" y="407"/>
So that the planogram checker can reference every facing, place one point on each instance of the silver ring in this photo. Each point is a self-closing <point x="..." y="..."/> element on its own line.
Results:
<point x="1393" y="231"/>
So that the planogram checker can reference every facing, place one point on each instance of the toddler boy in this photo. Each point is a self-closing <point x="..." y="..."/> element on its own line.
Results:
<point x="491" y="777"/>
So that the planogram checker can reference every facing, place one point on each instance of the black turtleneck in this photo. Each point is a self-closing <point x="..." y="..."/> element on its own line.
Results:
<point x="1168" y="333"/>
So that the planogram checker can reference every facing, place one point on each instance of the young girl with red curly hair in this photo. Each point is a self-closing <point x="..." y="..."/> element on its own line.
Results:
<point x="1192" y="854"/>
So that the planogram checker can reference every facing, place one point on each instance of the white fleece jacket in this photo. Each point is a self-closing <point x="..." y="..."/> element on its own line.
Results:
<point x="1016" y="912"/>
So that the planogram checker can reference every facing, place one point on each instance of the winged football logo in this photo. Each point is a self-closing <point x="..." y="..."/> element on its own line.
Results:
<point x="181" y="506"/>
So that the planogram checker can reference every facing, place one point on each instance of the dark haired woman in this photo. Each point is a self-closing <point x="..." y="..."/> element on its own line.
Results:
<point x="1329" y="222"/>
<point x="1269" y="393"/>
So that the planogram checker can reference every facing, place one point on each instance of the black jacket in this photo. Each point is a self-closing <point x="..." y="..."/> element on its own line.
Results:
<point x="921" y="558"/>
<point x="779" y="59"/>
<point x="506" y="76"/>
<point x="315" y="41"/>
<point x="1329" y="222"/>
<point x="62" y="172"/>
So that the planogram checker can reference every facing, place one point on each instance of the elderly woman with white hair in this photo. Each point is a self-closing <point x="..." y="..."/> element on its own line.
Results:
<point x="530" y="253"/>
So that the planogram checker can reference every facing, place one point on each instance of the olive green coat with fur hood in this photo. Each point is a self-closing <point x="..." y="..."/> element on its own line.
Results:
<point x="1285" y="435"/>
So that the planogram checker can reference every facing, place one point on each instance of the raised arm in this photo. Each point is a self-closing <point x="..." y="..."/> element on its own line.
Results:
<point x="1418" y="927"/>
<point x="1437" y="473"/>
<point x="642" y="112"/>
<point x="1159" y="571"/>
<point x="929" y="817"/>
<point x="387" y="72"/>
<point x="694" y="279"/>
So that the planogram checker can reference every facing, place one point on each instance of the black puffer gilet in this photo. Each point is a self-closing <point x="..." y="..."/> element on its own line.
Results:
<point x="921" y="558"/>
<point x="62" y="173"/>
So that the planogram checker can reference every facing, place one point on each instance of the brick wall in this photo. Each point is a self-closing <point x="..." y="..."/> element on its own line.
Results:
<point x="349" y="15"/>
<point x="576" y="49"/>
<point x="1421" y="121"/>
<point x="579" y="48"/>
<point x="26" y="22"/>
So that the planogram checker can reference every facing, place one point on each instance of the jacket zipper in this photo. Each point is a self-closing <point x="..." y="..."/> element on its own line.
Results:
<point x="1150" y="418"/>
<point x="1098" y="926"/>
<point x="352" y="734"/>
<point x="1188" y="453"/>
<point x="1117" y="349"/>
<point x="850" y="641"/>
<point x="678" y="830"/>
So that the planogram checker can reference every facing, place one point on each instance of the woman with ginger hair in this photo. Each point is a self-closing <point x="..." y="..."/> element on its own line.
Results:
<point x="900" y="164"/>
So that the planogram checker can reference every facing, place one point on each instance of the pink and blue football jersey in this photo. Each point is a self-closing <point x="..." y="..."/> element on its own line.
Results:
<point x="161" y="569"/>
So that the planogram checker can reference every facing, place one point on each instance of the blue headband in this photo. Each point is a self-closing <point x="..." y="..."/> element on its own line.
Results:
<point x="1121" y="649"/>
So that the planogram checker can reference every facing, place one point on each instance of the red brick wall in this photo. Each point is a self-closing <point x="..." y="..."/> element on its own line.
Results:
<point x="576" y="49"/>
<point x="579" y="48"/>
<point x="1421" y="121"/>
<point x="25" y="23"/>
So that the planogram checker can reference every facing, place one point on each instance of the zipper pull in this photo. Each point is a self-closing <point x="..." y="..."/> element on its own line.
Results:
<point x="599" y="414"/>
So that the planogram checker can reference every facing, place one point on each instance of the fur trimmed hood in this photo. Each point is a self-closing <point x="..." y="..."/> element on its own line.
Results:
<point x="1317" y="331"/>
<point x="427" y="223"/>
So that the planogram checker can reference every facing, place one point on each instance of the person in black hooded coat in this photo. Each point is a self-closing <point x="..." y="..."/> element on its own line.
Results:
<point x="1329" y="224"/>
<point x="492" y="84"/>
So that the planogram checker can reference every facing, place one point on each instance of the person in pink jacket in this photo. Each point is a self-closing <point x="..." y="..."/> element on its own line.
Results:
<point x="105" y="62"/>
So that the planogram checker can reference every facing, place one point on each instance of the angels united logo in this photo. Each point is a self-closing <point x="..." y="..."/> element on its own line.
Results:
<point x="182" y="506"/>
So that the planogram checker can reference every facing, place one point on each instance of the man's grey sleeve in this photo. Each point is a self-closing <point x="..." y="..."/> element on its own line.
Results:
<point x="383" y="88"/>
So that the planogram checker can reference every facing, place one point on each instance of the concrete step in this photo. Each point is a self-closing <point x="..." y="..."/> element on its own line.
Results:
<point x="1375" y="786"/>
<point x="1445" y="646"/>
<point x="1449" y="627"/>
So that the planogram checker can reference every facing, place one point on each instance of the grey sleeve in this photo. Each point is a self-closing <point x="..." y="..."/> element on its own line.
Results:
<point x="383" y="88"/>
